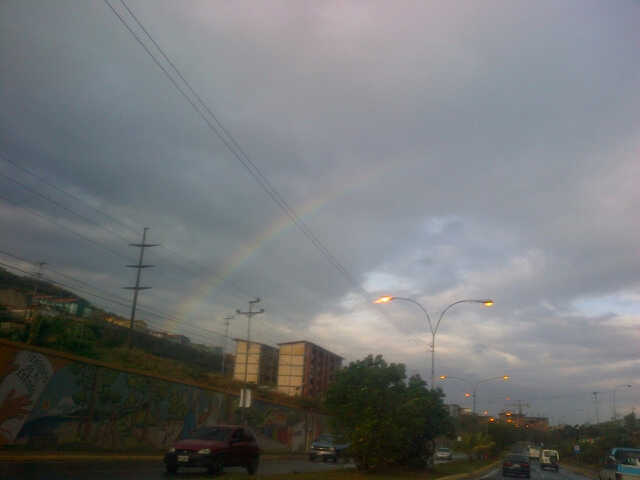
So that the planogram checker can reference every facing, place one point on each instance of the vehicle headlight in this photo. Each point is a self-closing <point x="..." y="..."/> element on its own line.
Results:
<point x="204" y="451"/>
<point x="332" y="449"/>
<point x="172" y="450"/>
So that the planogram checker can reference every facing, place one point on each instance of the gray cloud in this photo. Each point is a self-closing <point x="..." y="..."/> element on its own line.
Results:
<point x="439" y="151"/>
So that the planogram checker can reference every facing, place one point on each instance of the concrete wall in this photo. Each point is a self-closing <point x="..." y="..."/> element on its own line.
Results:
<point x="51" y="400"/>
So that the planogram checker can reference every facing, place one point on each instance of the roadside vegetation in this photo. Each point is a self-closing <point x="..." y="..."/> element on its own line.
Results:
<point x="595" y="441"/>
<point x="389" y="420"/>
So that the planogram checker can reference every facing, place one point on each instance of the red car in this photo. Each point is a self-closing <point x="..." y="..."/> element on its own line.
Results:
<point x="214" y="448"/>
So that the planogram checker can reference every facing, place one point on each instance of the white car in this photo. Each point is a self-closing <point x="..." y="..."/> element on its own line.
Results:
<point x="444" y="453"/>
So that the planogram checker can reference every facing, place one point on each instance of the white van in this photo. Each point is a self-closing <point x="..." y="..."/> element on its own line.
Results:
<point x="550" y="459"/>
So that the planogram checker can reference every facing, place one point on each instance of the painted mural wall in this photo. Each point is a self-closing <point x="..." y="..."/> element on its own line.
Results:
<point x="49" y="402"/>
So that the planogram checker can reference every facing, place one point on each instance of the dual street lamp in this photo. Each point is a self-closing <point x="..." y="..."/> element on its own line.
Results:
<point x="475" y="385"/>
<point x="487" y="302"/>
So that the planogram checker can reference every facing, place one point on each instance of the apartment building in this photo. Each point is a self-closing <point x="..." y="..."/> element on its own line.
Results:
<point x="259" y="361"/>
<point x="305" y="368"/>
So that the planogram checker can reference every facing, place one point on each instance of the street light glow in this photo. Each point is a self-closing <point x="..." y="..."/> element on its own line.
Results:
<point x="443" y="377"/>
<point x="505" y="377"/>
<point x="383" y="299"/>
<point x="467" y="395"/>
<point x="433" y="326"/>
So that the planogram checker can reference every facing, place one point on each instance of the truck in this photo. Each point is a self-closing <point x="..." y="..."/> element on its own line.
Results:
<point x="621" y="464"/>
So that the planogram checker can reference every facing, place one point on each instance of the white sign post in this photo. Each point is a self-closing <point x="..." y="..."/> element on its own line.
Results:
<point x="245" y="398"/>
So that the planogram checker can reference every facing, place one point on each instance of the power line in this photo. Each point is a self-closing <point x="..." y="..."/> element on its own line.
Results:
<point x="45" y="197"/>
<point x="232" y="145"/>
<point x="65" y="227"/>
<point x="4" y="157"/>
<point x="58" y="204"/>
<point x="112" y="299"/>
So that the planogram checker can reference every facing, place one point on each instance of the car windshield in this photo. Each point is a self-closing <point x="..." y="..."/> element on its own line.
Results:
<point x="517" y="458"/>
<point x="219" y="434"/>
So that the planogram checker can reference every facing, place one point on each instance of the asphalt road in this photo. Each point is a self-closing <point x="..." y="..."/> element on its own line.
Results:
<point x="144" y="470"/>
<point x="456" y="456"/>
<point x="537" y="474"/>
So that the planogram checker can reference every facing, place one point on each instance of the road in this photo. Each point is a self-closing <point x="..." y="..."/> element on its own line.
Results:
<point x="143" y="470"/>
<point x="456" y="456"/>
<point x="537" y="474"/>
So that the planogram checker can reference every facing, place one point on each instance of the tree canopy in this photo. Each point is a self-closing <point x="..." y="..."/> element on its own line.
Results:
<point x="387" y="418"/>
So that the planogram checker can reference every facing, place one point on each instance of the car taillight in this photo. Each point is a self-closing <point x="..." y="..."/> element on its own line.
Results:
<point x="508" y="464"/>
<point x="524" y="464"/>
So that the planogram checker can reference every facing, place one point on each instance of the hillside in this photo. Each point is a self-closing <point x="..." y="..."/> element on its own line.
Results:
<point x="26" y="285"/>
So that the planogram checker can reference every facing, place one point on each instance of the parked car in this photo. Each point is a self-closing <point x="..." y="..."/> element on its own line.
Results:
<point x="621" y="464"/>
<point x="328" y="447"/>
<point x="549" y="459"/>
<point x="214" y="448"/>
<point x="516" y="465"/>
<point x="444" y="453"/>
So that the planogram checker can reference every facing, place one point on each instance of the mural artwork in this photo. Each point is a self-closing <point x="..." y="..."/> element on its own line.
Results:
<point x="50" y="403"/>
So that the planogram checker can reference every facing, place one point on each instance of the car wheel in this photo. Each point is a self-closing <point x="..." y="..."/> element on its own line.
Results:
<point x="217" y="465"/>
<point x="172" y="468"/>
<point x="252" y="466"/>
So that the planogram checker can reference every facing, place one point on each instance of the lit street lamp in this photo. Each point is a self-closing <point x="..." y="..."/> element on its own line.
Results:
<point x="475" y="386"/>
<point x="487" y="302"/>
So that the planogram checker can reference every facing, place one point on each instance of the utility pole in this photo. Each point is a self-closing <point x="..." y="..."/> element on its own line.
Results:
<point x="520" y="405"/>
<point x="249" y="315"/>
<point x="33" y="329"/>
<point x="227" y="322"/>
<point x="139" y="266"/>
<point x="596" y="404"/>
<point x="28" y="312"/>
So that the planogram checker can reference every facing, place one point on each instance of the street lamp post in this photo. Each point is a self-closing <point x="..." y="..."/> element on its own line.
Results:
<point x="615" y="413"/>
<point x="487" y="302"/>
<point x="475" y="386"/>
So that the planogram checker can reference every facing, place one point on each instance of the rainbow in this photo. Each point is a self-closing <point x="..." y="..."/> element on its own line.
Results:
<point x="245" y="252"/>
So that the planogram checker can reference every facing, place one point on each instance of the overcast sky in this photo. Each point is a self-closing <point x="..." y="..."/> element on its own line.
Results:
<point x="438" y="151"/>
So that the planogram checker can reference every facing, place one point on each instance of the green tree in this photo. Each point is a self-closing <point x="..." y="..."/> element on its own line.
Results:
<point x="475" y="444"/>
<point x="387" y="419"/>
